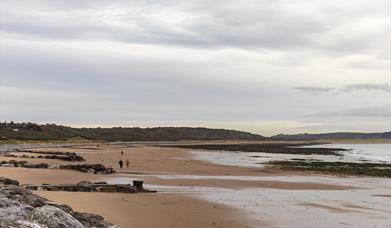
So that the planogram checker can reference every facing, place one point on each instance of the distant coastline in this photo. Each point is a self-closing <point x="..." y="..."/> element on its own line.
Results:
<point x="16" y="133"/>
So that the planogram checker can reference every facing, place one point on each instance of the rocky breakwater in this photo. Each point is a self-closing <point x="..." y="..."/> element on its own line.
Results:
<point x="86" y="168"/>
<point x="63" y="156"/>
<point x="89" y="168"/>
<point x="87" y="186"/>
<point x="20" y="208"/>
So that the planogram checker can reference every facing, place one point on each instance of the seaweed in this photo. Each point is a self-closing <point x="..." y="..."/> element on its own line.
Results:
<point x="345" y="168"/>
<point x="273" y="148"/>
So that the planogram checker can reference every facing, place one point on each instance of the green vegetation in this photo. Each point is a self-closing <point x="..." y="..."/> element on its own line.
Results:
<point x="47" y="132"/>
<point x="75" y="140"/>
<point x="345" y="168"/>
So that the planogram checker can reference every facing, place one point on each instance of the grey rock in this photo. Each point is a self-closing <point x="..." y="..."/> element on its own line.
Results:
<point x="5" y="202"/>
<point x="8" y="181"/>
<point x="84" y="183"/>
<point x="54" y="217"/>
<point x="20" y="208"/>
<point x="36" y="166"/>
<point x="13" y="213"/>
<point x="18" y="224"/>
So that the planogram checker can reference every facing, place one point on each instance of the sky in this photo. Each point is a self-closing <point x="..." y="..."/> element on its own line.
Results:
<point x="268" y="67"/>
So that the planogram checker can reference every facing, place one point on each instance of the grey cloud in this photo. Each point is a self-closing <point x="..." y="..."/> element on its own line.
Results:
<point x="368" y="86"/>
<point x="382" y="111"/>
<point x="116" y="61"/>
<point x="213" y="27"/>
<point x="379" y="111"/>
<point x="346" y="89"/>
<point x="123" y="79"/>
<point x="313" y="89"/>
<point x="251" y="25"/>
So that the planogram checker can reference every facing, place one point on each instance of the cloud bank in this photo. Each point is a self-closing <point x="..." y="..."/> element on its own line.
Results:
<point x="220" y="63"/>
<point x="384" y="87"/>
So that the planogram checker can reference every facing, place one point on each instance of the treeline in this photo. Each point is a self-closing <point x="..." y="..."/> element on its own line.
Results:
<point x="32" y="131"/>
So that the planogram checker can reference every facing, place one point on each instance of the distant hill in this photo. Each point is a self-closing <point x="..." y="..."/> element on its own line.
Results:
<point x="336" y="135"/>
<point x="32" y="131"/>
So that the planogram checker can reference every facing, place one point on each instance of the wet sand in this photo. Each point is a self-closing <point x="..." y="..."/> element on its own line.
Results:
<point x="151" y="210"/>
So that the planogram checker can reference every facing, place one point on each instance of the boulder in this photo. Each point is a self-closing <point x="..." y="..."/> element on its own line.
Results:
<point x="36" y="166"/>
<point x="20" y="208"/>
<point x="32" y="200"/>
<point x="7" y="181"/>
<point x="64" y="156"/>
<point x="54" y="166"/>
<point x="23" y="196"/>
<point x="84" y="183"/>
<point x="13" y="213"/>
<point x="89" y="168"/>
<point x="125" y="189"/>
<point x="10" y="155"/>
<point x="89" y="219"/>
<point x="54" y="217"/>
<point x="106" y="189"/>
<point x="5" y="202"/>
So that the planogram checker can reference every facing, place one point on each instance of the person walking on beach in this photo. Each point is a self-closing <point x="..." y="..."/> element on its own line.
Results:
<point x="127" y="163"/>
<point x="121" y="164"/>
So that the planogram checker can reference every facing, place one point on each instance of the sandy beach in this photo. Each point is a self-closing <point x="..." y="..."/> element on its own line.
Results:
<point x="199" y="193"/>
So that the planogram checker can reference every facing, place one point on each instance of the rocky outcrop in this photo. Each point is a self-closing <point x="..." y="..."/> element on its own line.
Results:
<point x="86" y="186"/>
<point x="10" y="155"/>
<point x="63" y="156"/>
<point x="20" y="208"/>
<point x="7" y="181"/>
<point x="89" y="168"/>
<point x="36" y="166"/>
<point x="13" y="163"/>
<point x="86" y="168"/>
<point x="54" y="217"/>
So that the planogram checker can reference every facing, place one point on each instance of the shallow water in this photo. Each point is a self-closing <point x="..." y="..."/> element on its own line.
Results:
<point x="365" y="206"/>
<point x="376" y="153"/>
<point x="369" y="206"/>
<point x="363" y="152"/>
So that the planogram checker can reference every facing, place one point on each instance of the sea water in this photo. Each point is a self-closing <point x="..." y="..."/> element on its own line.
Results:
<point x="367" y="204"/>
<point x="363" y="152"/>
<point x="374" y="153"/>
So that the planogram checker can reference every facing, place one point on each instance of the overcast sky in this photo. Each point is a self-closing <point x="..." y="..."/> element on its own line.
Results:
<point x="281" y="66"/>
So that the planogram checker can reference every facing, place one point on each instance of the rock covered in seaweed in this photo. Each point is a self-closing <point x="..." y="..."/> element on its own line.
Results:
<point x="86" y="168"/>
